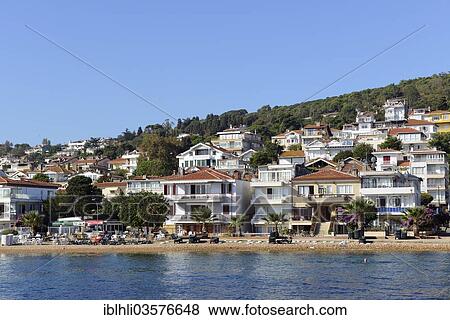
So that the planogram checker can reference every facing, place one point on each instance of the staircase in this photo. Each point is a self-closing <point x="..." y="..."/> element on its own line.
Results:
<point x="323" y="229"/>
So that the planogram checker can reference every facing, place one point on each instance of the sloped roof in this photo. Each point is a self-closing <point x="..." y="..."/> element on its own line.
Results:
<point x="292" y="154"/>
<point x="396" y="131"/>
<point x="28" y="183"/>
<point x="415" y="122"/>
<point x="117" y="161"/>
<point x="111" y="184"/>
<point x="326" y="174"/>
<point x="202" y="174"/>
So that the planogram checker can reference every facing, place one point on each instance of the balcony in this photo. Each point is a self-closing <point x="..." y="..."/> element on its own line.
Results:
<point x="202" y="197"/>
<point x="387" y="190"/>
<point x="270" y="199"/>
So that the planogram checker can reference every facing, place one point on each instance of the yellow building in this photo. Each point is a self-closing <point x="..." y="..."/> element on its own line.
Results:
<point x="439" y="117"/>
<point x="319" y="197"/>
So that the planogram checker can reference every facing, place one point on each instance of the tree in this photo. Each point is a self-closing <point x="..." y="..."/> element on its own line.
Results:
<point x="138" y="210"/>
<point x="362" y="210"/>
<point x="158" y="155"/>
<point x="203" y="216"/>
<point x="266" y="155"/>
<point x="33" y="220"/>
<point x="295" y="147"/>
<point x="275" y="219"/>
<point x="363" y="151"/>
<point x="440" y="141"/>
<point x="236" y="223"/>
<point x="425" y="199"/>
<point x="343" y="155"/>
<point x="391" y="143"/>
<point x="41" y="177"/>
<point x="85" y="197"/>
<point x="418" y="218"/>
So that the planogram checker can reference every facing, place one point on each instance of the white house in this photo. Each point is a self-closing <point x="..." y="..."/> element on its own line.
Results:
<point x="239" y="163"/>
<point x="271" y="193"/>
<point x="18" y="197"/>
<point x="138" y="184"/>
<point x="426" y="127"/>
<point x="237" y="140"/>
<point x="288" y="138"/>
<point x="392" y="193"/>
<point x="202" y="155"/>
<point x="225" y="196"/>
<point x="411" y="138"/>
<point x="395" y="110"/>
<point x="432" y="167"/>
<point x="326" y="150"/>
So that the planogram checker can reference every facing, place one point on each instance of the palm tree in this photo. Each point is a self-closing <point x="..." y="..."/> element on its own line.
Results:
<point x="363" y="209"/>
<point x="236" y="223"/>
<point x="413" y="216"/>
<point x="275" y="219"/>
<point x="202" y="215"/>
<point x="33" y="220"/>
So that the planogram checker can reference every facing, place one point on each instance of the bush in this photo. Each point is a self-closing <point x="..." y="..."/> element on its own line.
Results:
<point x="9" y="231"/>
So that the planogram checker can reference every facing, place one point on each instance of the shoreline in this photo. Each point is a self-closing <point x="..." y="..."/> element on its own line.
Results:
<point x="240" y="246"/>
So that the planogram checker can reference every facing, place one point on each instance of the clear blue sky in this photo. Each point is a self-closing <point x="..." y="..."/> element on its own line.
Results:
<point x="198" y="57"/>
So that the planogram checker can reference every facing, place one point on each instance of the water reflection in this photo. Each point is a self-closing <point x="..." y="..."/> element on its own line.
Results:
<point x="225" y="276"/>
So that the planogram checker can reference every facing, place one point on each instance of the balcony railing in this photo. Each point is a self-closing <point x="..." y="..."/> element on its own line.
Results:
<point x="207" y="196"/>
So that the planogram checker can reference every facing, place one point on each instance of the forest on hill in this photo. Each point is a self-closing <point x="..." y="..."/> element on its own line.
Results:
<point x="433" y="92"/>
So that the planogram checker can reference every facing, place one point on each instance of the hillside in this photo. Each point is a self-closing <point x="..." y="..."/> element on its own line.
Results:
<point x="433" y="92"/>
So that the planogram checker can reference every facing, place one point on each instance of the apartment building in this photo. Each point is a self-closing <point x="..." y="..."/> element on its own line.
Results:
<point x="225" y="196"/>
<point x="431" y="166"/>
<point x="237" y="140"/>
<point x="319" y="197"/>
<point x="18" y="197"/>
<point x="127" y="162"/>
<point x="240" y="163"/>
<point x="272" y="193"/>
<point x="412" y="139"/>
<point x="326" y="150"/>
<point x="313" y="132"/>
<point x="288" y="138"/>
<point x="392" y="193"/>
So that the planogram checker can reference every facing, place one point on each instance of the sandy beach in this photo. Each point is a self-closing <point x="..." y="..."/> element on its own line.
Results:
<point x="325" y="245"/>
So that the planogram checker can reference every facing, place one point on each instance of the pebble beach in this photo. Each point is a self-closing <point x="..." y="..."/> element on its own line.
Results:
<point x="242" y="245"/>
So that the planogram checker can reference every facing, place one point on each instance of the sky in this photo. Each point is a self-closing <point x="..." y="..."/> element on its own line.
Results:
<point x="192" y="58"/>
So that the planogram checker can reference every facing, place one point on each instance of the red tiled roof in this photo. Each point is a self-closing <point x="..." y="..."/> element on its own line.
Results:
<point x="28" y="183"/>
<point x="292" y="153"/>
<point x="117" y="161"/>
<point x="414" y="122"/>
<point x="111" y="184"/>
<point x="326" y="174"/>
<point x="202" y="174"/>
<point x="396" y="131"/>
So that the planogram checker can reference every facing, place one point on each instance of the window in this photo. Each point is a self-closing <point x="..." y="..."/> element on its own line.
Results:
<point x="305" y="190"/>
<point x="269" y="191"/>
<point x="201" y="152"/>
<point x="166" y="189"/>
<point x="386" y="159"/>
<point x="226" y="209"/>
<point x="345" y="189"/>
<point x="381" y="202"/>
<point x="397" y="202"/>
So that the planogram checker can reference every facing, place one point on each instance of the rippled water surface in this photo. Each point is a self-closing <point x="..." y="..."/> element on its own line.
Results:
<point x="226" y="276"/>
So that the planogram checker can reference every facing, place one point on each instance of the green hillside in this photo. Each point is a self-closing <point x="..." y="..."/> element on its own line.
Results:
<point x="433" y="92"/>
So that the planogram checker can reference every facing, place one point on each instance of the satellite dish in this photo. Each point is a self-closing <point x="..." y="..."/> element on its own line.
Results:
<point x="373" y="159"/>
